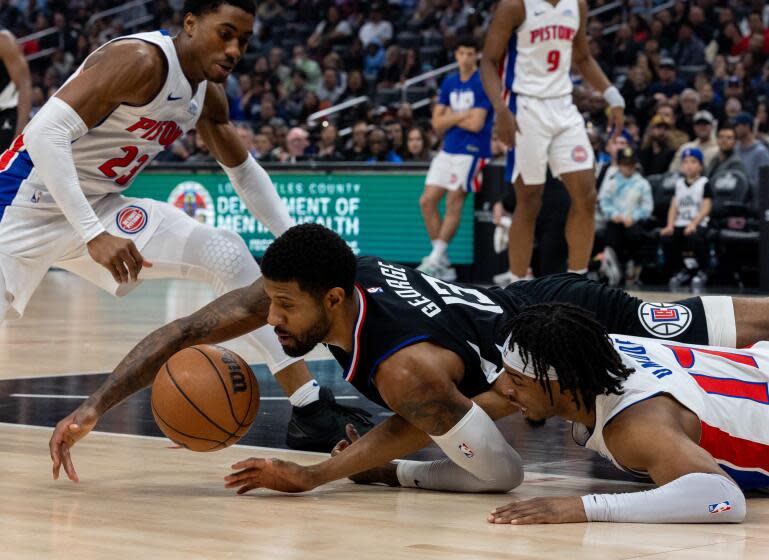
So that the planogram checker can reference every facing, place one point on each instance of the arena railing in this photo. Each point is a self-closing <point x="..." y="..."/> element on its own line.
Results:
<point x="21" y="41"/>
<point x="318" y="115"/>
<point x="137" y="20"/>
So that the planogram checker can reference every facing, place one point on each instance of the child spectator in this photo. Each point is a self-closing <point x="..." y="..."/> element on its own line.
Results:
<point x="625" y="200"/>
<point x="684" y="235"/>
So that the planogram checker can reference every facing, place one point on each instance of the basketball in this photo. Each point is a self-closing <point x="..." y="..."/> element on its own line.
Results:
<point x="205" y="398"/>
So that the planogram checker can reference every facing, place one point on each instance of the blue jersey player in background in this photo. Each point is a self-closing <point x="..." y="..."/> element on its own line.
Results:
<point x="464" y="116"/>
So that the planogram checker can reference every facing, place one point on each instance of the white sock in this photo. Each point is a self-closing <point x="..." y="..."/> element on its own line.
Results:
<point x="579" y="271"/>
<point x="439" y="250"/>
<point x="514" y="277"/>
<point x="306" y="394"/>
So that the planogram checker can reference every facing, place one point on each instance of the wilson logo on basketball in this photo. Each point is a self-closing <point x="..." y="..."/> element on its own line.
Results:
<point x="237" y="377"/>
<point x="579" y="154"/>
<point x="132" y="219"/>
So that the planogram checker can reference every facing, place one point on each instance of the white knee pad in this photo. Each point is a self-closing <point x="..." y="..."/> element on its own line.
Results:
<point x="221" y="258"/>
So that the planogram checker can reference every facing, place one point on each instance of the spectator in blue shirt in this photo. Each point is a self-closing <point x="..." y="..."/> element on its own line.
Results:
<point x="465" y="117"/>
<point x="380" y="149"/>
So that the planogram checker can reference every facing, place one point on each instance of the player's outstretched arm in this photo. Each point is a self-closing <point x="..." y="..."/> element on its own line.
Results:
<point x="655" y="436"/>
<point x="593" y="75"/>
<point x="508" y="16"/>
<point x="232" y="315"/>
<point x="251" y="182"/>
<point x="371" y="454"/>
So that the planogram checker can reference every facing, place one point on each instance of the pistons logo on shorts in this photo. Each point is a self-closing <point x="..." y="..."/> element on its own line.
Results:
<point x="664" y="320"/>
<point x="579" y="154"/>
<point x="131" y="219"/>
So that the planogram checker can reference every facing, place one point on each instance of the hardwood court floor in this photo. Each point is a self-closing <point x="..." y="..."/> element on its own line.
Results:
<point x="140" y="499"/>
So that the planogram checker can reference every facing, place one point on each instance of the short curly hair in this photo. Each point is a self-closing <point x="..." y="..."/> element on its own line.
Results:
<point x="313" y="256"/>
<point x="202" y="7"/>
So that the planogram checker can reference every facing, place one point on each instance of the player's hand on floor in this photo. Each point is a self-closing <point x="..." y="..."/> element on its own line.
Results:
<point x="540" y="510"/>
<point x="118" y="255"/>
<point x="69" y="431"/>
<point x="274" y="474"/>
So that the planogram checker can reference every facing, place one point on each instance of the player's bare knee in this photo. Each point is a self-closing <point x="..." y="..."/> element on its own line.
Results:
<point x="427" y="201"/>
<point x="454" y="202"/>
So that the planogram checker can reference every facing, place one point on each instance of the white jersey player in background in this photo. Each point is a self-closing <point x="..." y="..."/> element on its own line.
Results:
<point x="694" y="419"/>
<point x="60" y="182"/>
<point x="529" y="51"/>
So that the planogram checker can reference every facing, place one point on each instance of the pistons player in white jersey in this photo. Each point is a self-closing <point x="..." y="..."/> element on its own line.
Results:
<point x="530" y="48"/>
<point x="694" y="419"/>
<point x="61" y="183"/>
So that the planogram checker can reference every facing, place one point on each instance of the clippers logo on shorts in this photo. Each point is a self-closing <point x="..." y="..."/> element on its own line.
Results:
<point x="664" y="320"/>
<point x="579" y="154"/>
<point x="375" y="290"/>
<point x="466" y="451"/>
<point x="132" y="219"/>
<point x="719" y="507"/>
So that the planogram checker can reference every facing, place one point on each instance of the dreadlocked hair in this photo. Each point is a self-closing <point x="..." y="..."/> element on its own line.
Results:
<point x="570" y="340"/>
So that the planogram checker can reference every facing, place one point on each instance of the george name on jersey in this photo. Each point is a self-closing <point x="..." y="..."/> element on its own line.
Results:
<point x="164" y="132"/>
<point x="396" y="278"/>
<point x="552" y="33"/>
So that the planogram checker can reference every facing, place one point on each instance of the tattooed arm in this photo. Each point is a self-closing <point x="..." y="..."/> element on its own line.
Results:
<point x="419" y="384"/>
<point x="227" y="317"/>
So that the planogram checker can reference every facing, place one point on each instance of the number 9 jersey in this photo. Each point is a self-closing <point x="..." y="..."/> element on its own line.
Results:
<point x="537" y="89"/>
<point x="539" y="54"/>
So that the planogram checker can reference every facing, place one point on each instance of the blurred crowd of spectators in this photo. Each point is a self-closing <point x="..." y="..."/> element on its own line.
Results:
<point x="683" y="70"/>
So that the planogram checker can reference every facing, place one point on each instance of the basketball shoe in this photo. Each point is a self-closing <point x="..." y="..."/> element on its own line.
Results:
<point x="319" y="426"/>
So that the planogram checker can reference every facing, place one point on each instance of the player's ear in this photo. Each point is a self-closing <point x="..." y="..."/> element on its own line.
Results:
<point x="190" y="23"/>
<point x="334" y="298"/>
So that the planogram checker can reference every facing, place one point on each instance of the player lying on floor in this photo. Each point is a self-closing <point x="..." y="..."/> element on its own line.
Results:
<point x="695" y="419"/>
<point x="426" y="349"/>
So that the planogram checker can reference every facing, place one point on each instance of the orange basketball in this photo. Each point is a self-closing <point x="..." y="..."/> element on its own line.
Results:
<point x="205" y="398"/>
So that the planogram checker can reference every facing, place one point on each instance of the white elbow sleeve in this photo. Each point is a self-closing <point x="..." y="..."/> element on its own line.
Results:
<point x="693" y="498"/>
<point x="477" y="446"/>
<point x="255" y="188"/>
<point x="48" y="139"/>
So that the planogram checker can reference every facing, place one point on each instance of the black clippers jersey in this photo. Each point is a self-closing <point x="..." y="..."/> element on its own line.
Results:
<point x="400" y="306"/>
